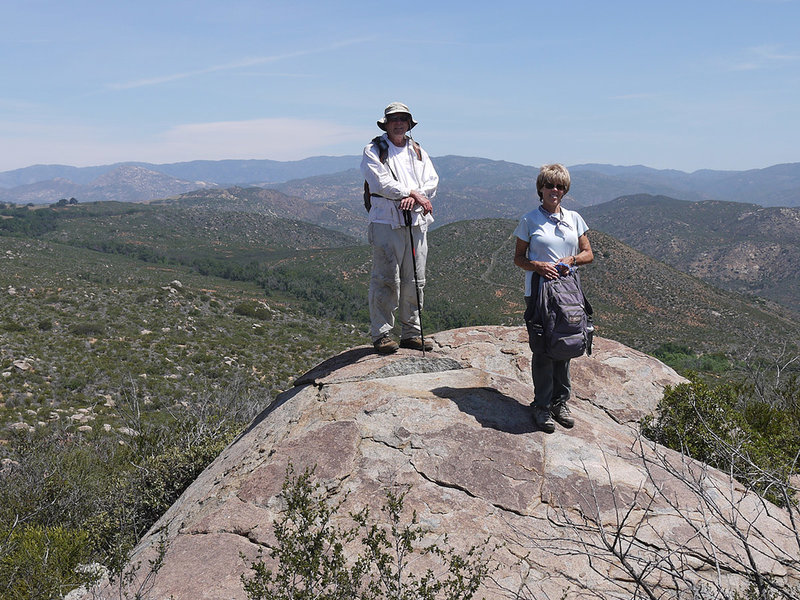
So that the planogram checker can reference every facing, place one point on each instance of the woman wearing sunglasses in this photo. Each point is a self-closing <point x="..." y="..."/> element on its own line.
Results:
<point x="550" y="238"/>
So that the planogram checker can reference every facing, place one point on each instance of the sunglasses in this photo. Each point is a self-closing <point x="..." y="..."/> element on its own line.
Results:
<point x="394" y="118"/>
<point x="560" y="187"/>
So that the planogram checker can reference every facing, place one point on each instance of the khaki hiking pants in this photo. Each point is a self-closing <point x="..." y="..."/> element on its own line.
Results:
<point x="391" y="285"/>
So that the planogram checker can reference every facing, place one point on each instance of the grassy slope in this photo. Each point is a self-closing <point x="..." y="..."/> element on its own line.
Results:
<point x="95" y="327"/>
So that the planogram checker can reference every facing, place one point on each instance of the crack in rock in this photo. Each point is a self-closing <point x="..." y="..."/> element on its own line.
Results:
<point x="454" y="486"/>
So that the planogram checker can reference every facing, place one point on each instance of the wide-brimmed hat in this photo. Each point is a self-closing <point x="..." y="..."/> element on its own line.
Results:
<point x="394" y="108"/>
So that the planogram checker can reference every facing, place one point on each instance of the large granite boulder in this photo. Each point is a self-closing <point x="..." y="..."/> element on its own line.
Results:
<point x="579" y="513"/>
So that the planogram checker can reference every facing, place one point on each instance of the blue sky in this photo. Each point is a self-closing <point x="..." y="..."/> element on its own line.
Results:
<point x="668" y="84"/>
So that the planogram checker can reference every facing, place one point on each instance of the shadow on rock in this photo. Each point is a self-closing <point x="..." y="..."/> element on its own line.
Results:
<point x="334" y="363"/>
<point x="491" y="408"/>
<point x="279" y="401"/>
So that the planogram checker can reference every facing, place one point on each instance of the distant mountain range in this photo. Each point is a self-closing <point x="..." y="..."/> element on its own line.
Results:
<point x="502" y="188"/>
<point x="126" y="183"/>
<point x="222" y="172"/>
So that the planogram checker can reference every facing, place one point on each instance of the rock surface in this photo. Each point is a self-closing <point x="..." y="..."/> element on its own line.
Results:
<point x="456" y="427"/>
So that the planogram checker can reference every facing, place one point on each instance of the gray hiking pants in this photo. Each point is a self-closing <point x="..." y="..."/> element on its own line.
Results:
<point x="391" y="285"/>
<point x="551" y="383"/>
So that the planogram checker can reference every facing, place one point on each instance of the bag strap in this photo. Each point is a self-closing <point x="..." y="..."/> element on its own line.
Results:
<point x="383" y="148"/>
<point x="383" y="155"/>
<point x="587" y="306"/>
<point x="417" y="149"/>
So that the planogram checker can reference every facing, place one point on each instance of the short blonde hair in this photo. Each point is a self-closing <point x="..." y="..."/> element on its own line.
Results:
<point x="556" y="174"/>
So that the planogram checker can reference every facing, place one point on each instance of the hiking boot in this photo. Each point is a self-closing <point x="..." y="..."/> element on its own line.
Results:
<point x="543" y="419"/>
<point x="415" y="343"/>
<point x="562" y="415"/>
<point x="385" y="345"/>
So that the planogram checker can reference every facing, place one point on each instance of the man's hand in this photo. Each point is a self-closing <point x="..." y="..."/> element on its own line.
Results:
<point x="422" y="200"/>
<point x="407" y="203"/>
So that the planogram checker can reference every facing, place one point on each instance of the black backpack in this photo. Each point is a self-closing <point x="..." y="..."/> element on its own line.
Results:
<point x="559" y="319"/>
<point x="383" y="154"/>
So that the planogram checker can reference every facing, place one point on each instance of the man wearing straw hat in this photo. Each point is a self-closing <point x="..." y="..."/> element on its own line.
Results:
<point x="400" y="177"/>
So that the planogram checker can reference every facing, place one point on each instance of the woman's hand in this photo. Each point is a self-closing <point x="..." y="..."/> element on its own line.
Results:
<point x="546" y="270"/>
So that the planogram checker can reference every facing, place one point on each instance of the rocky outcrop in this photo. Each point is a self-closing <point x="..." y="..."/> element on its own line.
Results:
<point x="578" y="513"/>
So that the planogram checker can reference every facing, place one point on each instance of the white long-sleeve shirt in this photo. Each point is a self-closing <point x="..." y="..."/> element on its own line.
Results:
<point x="395" y="179"/>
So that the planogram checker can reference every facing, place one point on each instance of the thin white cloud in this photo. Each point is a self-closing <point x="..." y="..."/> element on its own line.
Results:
<point x="635" y="96"/>
<point x="231" y="66"/>
<point x="14" y="105"/>
<point x="275" y="139"/>
<point x="763" y="57"/>
<point x="279" y="139"/>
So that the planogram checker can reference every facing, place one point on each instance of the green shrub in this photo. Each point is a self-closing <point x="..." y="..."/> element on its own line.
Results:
<point x="136" y="499"/>
<point x="111" y="492"/>
<point x="683" y="359"/>
<point x="312" y="563"/>
<point x="75" y="383"/>
<point x="86" y="328"/>
<point x="252" y="309"/>
<point x="733" y="429"/>
<point x="12" y="326"/>
<point x="40" y="562"/>
<point x="27" y="222"/>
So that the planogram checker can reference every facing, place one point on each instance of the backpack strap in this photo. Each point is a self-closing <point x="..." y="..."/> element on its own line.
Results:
<point x="587" y="307"/>
<point x="383" y="154"/>
<point x="383" y="148"/>
<point x="417" y="149"/>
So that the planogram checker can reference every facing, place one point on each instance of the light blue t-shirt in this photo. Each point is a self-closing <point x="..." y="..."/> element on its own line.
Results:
<point x="550" y="236"/>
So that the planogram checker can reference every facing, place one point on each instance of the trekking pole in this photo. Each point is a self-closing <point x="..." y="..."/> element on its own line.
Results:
<point x="407" y="216"/>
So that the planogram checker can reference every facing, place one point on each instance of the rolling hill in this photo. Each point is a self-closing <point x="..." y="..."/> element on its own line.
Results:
<point x="745" y="248"/>
<point x="222" y="172"/>
<point x="640" y="300"/>
<point x="472" y="187"/>
<point x="272" y="203"/>
<point x="481" y="188"/>
<point x="126" y="183"/>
